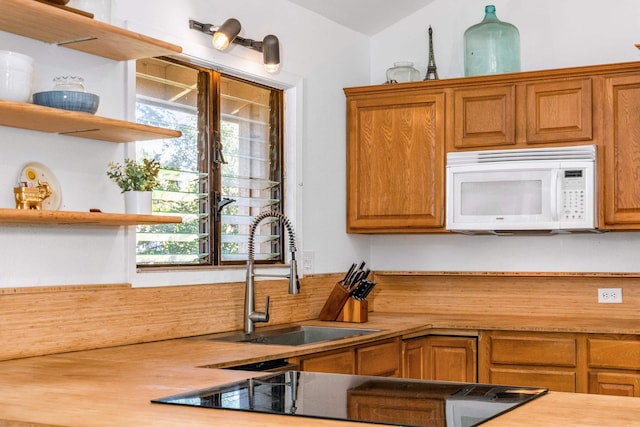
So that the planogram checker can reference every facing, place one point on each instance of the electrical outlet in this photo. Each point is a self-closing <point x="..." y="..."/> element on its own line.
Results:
<point x="609" y="295"/>
<point x="308" y="258"/>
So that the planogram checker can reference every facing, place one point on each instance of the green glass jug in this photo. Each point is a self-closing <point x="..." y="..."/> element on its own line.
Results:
<point x="491" y="47"/>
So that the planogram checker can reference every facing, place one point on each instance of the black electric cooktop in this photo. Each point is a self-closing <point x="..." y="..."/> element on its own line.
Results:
<point x="361" y="398"/>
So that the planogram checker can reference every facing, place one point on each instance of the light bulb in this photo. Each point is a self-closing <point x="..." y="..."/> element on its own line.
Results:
<point x="220" y="41"/>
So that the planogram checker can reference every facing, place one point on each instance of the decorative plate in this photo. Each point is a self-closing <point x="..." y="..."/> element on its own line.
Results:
<point x="34" y="171"/>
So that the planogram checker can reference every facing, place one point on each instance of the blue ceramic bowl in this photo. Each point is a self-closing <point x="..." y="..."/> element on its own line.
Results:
<point x="68" y="100"/>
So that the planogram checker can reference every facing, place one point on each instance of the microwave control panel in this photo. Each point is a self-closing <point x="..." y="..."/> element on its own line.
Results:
<point x="573" y="194"/>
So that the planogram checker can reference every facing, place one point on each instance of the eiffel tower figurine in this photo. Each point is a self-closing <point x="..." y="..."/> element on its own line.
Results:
<point x="432" y="71"/>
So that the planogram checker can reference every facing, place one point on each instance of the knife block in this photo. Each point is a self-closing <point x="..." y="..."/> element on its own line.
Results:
<point x="333" y="306"/>
<point x="354" y="311"/>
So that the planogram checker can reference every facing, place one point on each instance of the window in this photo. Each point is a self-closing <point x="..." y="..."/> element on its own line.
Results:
<point x="223" y="171"/>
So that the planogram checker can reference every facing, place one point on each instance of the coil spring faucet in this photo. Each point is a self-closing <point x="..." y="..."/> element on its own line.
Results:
<point x="250" y="315"/>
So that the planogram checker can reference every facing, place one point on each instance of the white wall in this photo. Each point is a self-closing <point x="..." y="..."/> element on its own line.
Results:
<point x="553" y="35"/>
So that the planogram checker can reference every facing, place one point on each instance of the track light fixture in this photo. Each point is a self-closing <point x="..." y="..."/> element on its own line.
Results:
<point x="227" y="33"/>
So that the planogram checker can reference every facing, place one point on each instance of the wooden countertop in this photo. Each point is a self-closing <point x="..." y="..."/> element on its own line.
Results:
<point x="114" y="386"/>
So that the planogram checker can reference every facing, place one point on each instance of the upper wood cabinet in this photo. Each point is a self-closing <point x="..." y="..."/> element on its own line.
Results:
<point x="395" y="161"/>
<point x="559" y="111"/>
<point x="622" y="151"/>
<point x="484" y="117"/>
<point x="396" y="139"/>
<point x="519" y="115"/>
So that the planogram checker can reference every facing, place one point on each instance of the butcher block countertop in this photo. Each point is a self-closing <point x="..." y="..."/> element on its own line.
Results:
<point x="114" y="386"/>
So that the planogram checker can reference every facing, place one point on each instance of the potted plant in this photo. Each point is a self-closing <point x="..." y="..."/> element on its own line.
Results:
<point x="136" y="180"/>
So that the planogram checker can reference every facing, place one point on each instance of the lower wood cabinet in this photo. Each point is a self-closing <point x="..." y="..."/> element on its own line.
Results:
<point x="341" y="361"/>
<point x="614" y="365"/>
<point x="440" y="358"/>
<point x="568" y="362"/>
<point x="381" y="358"/>
<point x="584" y="363"/>
<point x="548" y="360"/>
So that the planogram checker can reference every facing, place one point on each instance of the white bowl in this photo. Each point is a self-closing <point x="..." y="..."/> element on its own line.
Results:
<point x="16" y="72"/>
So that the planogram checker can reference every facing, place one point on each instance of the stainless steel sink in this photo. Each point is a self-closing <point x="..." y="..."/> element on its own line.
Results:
<point x="293" y="335"/>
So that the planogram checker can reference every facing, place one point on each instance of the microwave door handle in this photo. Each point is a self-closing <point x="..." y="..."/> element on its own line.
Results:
<point x="554" y="194"/>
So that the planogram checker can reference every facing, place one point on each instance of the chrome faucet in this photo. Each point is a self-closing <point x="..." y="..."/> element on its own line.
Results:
<point x="252" y="316"/>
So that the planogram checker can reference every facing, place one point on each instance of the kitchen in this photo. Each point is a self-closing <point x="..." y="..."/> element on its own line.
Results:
<point x="318" y="69"/>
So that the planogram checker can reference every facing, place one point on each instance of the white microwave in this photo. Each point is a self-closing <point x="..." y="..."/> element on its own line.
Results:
<point x="542" y="189"/>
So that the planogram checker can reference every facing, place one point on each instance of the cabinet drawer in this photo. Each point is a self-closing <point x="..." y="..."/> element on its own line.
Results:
<point x="379" y="359"/>
<point x="534" y="350"/>
<point x="614" y="353"/>
<point x="336" y="362"/>
<point x="553" y="379"/>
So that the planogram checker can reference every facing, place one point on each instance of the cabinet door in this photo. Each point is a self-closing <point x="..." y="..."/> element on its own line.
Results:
<point x="614" y="383"/>
<point x="380" y="359"/>
<point x="440" y="358"/>
<point x="484" y="117"/>
<point x="559" y="111"/>
<point x="622" y="151"/>
<point x="395" y="162"/>
<point x="334" y="362"/>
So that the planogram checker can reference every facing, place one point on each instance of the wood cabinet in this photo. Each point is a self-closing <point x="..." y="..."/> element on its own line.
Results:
<point x="395" y="161"/>
<point x="484" y="117"/>
<point x="548" y="360"/>
<point x="614" y="365"/>
<point x="559" y="111"/>
<point x="622" y="151"/>
<point x="334" y="362"/>
<point x="522" y="114"/>
<point x="594" y="363"/>
<point x="381" y="358"/>
<point x="440" y="358"/>
<point x="396" y="138"/>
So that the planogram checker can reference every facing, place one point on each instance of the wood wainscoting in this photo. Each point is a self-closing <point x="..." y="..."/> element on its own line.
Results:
<point x="47" y="320"/>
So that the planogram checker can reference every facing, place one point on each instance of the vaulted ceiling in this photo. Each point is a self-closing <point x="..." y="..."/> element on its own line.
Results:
<point x="368" y="17"/>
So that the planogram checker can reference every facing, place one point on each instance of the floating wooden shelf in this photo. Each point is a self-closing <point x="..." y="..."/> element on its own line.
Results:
<point x="83" y="125"/>
<point x="39" y="217"/>
<point x="50" y="24"/>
